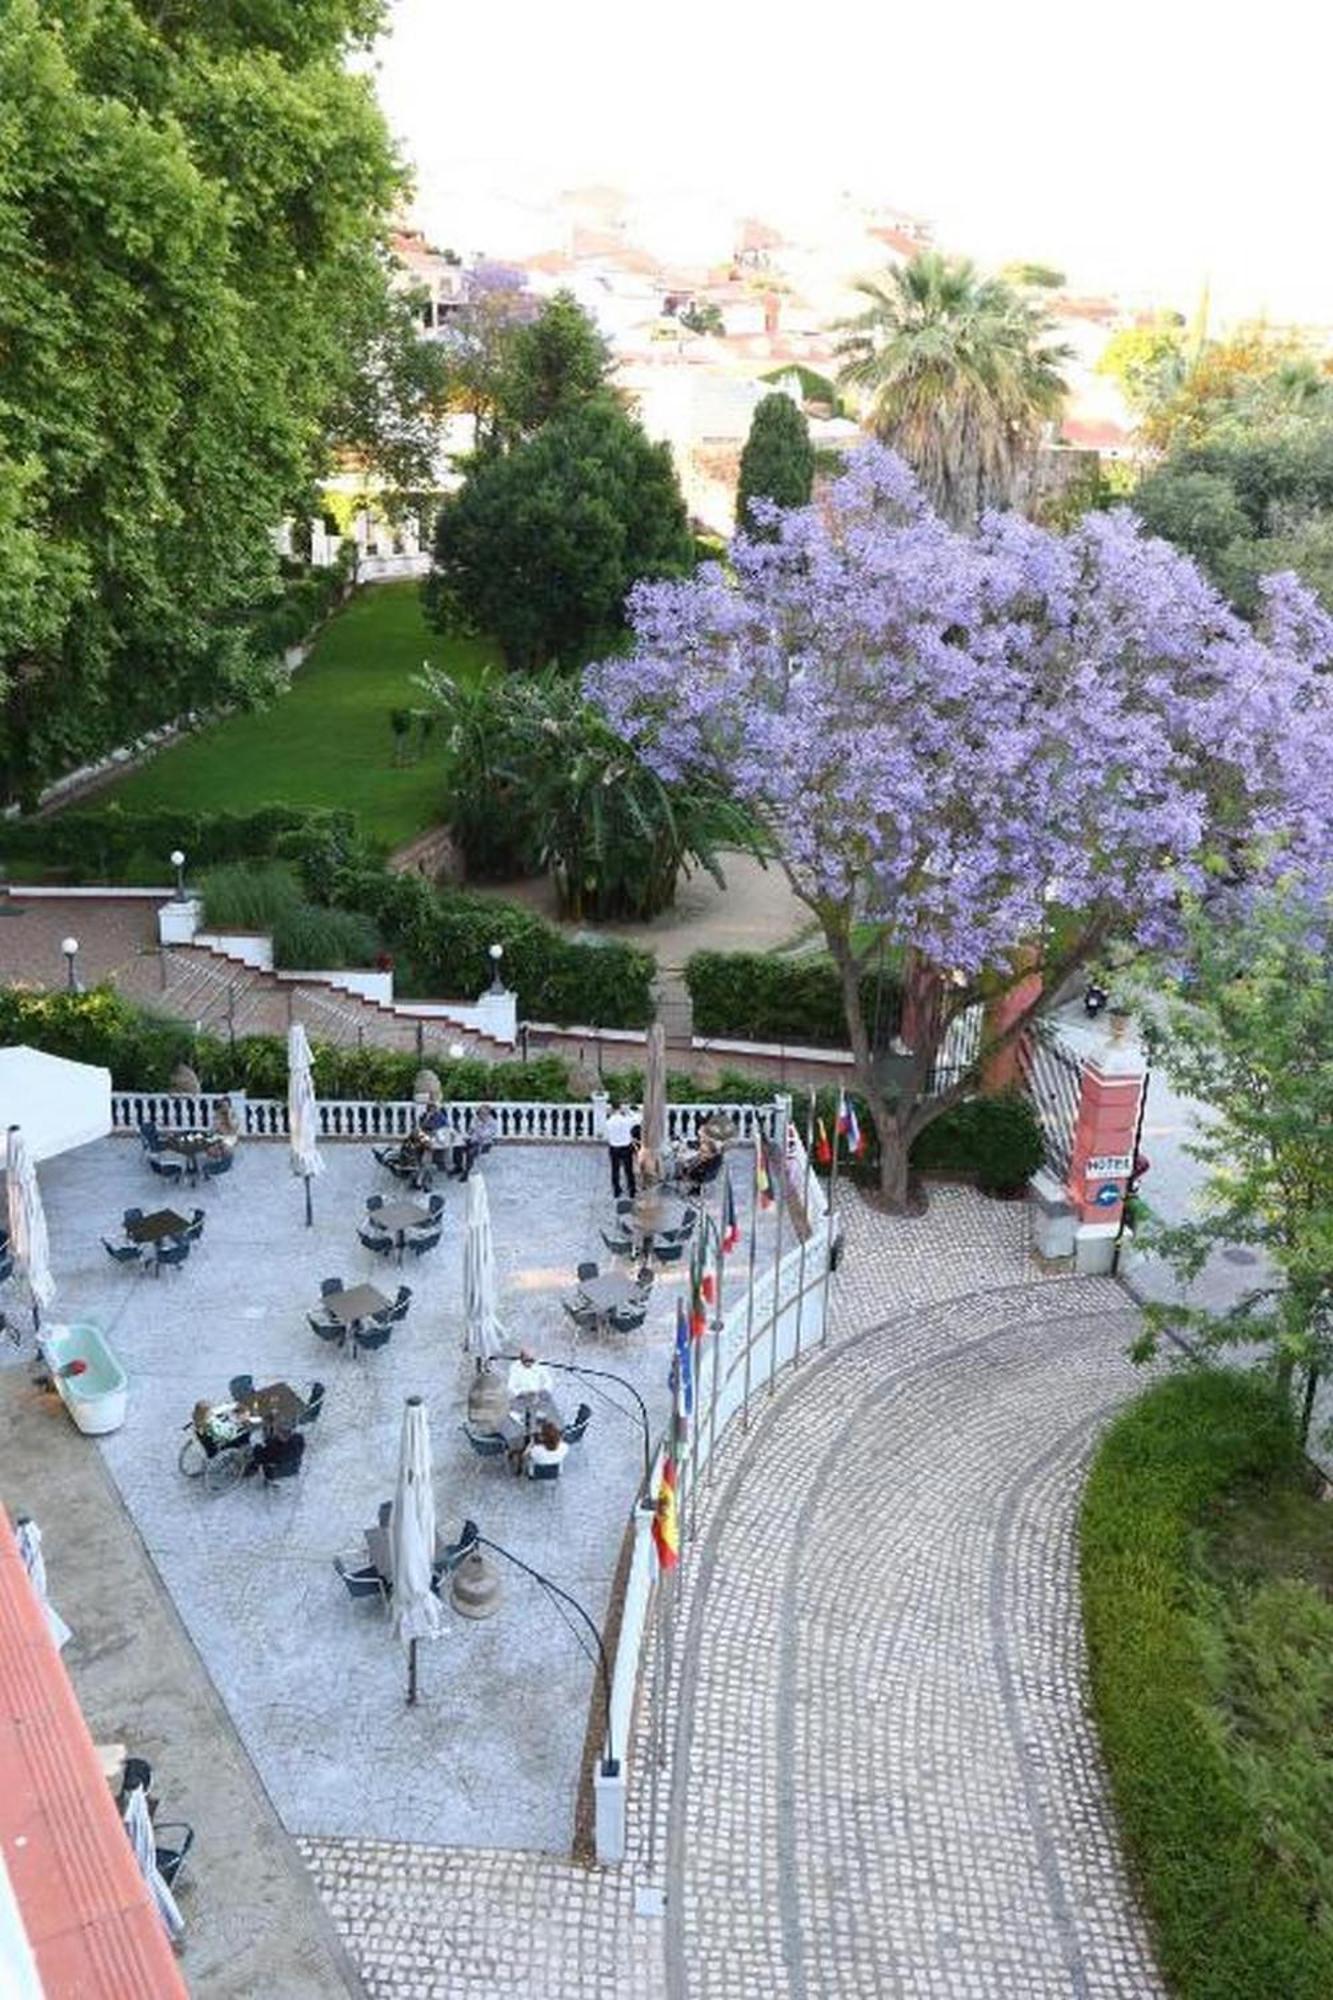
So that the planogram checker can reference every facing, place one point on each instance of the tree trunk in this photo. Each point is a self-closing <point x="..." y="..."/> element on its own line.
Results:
<point x="889" y="1119"/>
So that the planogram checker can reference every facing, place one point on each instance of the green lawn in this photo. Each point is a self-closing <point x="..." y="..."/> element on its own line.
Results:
<point x="326" y="742"/>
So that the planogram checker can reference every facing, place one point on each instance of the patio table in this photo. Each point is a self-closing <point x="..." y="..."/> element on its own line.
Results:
<point x="527" y="1413"/>
<point x="153" y="1228"/>
<point x="361" y="1302"/>
<point x="398" y="1217"/>
<point x="278" y="1402"/>
<point x="605" y="1295"/>
<point x="652" y="1215"/>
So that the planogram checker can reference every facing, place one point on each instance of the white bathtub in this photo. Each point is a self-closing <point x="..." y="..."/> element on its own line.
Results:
<point x="96" y="1394"/>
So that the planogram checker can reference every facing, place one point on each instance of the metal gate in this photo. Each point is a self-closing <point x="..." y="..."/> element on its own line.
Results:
<point x="1053" y="1078"/>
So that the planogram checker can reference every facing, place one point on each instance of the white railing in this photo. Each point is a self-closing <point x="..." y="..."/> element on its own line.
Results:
<point x="763" y="1331"/>
<point x="394" y="1118"/>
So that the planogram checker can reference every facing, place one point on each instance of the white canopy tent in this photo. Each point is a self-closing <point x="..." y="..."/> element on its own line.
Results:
<point x="59" y="1104"/>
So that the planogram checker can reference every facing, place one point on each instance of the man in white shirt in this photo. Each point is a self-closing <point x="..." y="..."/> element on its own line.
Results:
<point x="528" y="1376"/>
<point x="620" y="1144"/>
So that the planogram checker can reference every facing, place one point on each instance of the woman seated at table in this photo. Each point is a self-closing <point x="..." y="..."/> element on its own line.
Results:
<point x="695" y="1167"/>
<point x="546" y="1447"/>
<point x="480" y="1136"/>
<point x="226" y="1136"/>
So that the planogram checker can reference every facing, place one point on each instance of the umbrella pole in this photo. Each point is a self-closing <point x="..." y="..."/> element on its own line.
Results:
<point x="309" y="1216"/>
<point x="411" y="1672"/>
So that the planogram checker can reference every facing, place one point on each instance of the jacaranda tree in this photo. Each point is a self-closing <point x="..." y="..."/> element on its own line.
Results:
<point x="978" y="750"/>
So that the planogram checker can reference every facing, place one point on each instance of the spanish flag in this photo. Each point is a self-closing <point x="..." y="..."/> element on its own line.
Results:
<point x="763" y="1186"/>
<point x="666" y="1524"/>
<point x="823" y="1150"/>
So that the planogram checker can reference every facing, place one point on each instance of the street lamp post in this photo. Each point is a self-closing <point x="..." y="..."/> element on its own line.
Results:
<point x="178" y="863"/>
<point x="70" y="947"/>
<point x="474" y="1592"/>
<point x="495" y="953"/>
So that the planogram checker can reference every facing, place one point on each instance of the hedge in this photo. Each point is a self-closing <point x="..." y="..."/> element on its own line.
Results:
<point x="1227" y="1830"/>
<point x="755" y="997"/>
<point x="113" y="844"/>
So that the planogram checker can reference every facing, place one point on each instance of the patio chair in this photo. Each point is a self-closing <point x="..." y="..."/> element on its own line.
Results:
<point x="368" y="1339"/>
<point x="173" y="1253"/>
<point x="619" y="1246"/>
<point x="285" y="1462"/>
<point x="172" y="1840"/>
<point x="486" y="1444"/>
<point x="241" y="1388"/>
<point x="588" y="1270"/>
<point x="148" y="1138"/>
<point x="543" y="1471"/>
<point x="584" y="1318"/>
<point x="130" y="1215"/>
<point x="362" y="1582"/>
<point x="381" y="1244"/>
<point x="624" y="1204"/>
<point x="374" y="1201"/>
<point x="436" y="1206"/>
<point x="329" y="1329"/>
<point x="385" y="1156"/>
<point x="166" y="1170"/>
<point x="327" y="1285"/>
<point x="573" y="1433"/>
<point x="398" y="1310"/>
<point x="625" y="1319"/>
<point x="124" y="1253"/>
<point x="668" y="1253"/>
<point x="314" y="1404"/>
<point x="196" y="1228"/>
<point x="213" y="1169"/>
<point x="419" y="1245"/>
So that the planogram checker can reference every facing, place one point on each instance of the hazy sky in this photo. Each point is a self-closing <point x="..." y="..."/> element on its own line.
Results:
<point x="1147" y="144"/>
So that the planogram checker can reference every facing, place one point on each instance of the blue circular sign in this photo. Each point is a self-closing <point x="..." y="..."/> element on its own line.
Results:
<point x="1108" y="1194"/>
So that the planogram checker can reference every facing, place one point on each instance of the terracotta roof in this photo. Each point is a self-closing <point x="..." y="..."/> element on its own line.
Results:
<point x="551" y="262"/>
<point x="1095" y="434"/>
<point x="86" y="1908"/>
<point x="899" y="240"/>
<point x="1094" y="309"/>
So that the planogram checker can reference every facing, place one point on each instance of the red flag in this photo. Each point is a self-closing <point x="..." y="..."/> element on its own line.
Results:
<point x="823" y="1150"/>
<point x="731" y="1229"/>
<point x="666" y="1524"/>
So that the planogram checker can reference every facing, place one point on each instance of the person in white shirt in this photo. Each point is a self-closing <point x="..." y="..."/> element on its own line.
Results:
<point x="548" y="1447"/>
<point x="528" y="1376"/>
<point x="620" y="1144"/>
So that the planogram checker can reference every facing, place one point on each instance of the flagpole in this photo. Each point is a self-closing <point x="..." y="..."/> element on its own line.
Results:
<point x="781" y="1193"/>
<point x="749" y="1302"/>
<point x="805" y="1204"/>
<point x="717" y="1341"/>
<point x="828" y="1246"/>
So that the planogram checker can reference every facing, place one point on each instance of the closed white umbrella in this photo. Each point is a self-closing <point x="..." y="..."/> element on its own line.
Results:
<point x="29" y="1538"/>
<point x="302" y="1112"/>
<point x="139" y="1826"/>
<point x="483" y="1334"/>
<point x="416" y="1609"/>
<point x="27" y="1224"/>
<point x="654" y="1102"/>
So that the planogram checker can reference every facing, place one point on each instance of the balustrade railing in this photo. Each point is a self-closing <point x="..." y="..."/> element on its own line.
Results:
<point x="395" y="1118"/>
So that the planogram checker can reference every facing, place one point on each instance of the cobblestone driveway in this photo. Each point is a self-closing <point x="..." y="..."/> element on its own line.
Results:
<point x="893" y="1788"/>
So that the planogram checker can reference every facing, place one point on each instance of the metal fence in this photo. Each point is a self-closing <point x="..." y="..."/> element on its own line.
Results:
<point x="1053" y="1078"/>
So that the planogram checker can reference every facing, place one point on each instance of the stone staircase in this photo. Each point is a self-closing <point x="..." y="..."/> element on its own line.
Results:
<point x="223" y="996"/>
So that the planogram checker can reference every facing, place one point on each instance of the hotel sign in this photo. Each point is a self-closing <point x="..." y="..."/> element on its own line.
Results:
<point x="1102" y="1165"/>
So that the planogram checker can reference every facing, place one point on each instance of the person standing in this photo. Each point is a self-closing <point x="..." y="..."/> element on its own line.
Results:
<point x="620" y="1144"/>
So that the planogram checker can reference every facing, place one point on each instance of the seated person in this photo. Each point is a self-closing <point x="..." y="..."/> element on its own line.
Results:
<point x="480" y="1136"/>
<point x="215" y="1429"/>
<point x="528" y="1376"/>
<point x="431" y="1122"/>
<point x="695" y="1166"/>
<point x="548" y="1447"/>
<point x="226" y="1134"/>
<point x="280" y="1453"/>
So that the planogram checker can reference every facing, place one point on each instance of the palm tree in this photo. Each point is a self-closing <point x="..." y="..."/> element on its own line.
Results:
<point x="960" y="374"/>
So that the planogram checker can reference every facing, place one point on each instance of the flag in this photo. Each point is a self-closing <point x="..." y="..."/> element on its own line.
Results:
<point x="823" y="1150"/>
<point x="731" y="1229"/>
<point x="698" y="1300"/>
<point x="666" y="1526"/>
<point x="682" y="1371"/>
<point x="763" y="1186"/>
<point x="848" y="1126"/>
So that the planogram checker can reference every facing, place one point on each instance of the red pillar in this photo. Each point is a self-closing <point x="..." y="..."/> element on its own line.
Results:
<point x="1102" y="1155"/>
<point x="999" y="1070"/>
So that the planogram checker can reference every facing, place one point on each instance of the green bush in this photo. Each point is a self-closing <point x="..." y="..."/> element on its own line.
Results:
<point x="996" y="1138"/>
<point x="309" y="938"/>
<point x="1212" y="1696"/>
<point x="241" y="897"/>
<point x="113" y="844"/>
<point x="753" y="996"/>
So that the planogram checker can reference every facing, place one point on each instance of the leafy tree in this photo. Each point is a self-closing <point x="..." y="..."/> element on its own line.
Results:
<point x="1198" y="511"/>
<point x="1149" y="362"/>
<point x="703" y="316"/>
<point x="1039" y="277"/>
<point x="537" y="780"/>
<point x="556" y="360"/>
<point x="478" y="345"/>
<point x="1252" y="1039"/>
<point x="541" y="546"/>
<point x="778" y="462"/>
<point x="193" y="287"/>
<point x="1223" y="378"/>
<point x="960" y="372"/>
<point x="944" y="737"/>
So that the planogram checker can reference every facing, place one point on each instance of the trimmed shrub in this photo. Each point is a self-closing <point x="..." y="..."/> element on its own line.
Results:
<point x="1208" y="1695"/>
<point x="309" y="938"/>
<point x="996" y="1138"/>
<point x="753" y="996"/>
<point x="111" y="844"/>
